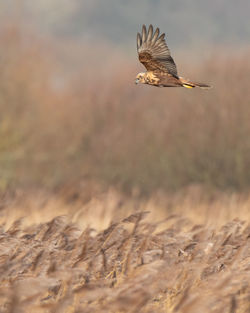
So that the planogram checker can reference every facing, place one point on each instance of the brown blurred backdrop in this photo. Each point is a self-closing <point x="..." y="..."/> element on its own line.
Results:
<point x="70" y="111"/>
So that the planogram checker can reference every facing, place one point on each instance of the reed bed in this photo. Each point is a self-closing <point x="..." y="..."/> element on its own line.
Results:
<point x="93" y="259"/>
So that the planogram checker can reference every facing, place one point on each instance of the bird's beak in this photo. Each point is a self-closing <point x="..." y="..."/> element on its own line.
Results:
<point x="137" y="81"/>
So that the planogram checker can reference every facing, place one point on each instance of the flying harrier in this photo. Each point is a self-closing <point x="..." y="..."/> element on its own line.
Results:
<point x="154" y="54"/>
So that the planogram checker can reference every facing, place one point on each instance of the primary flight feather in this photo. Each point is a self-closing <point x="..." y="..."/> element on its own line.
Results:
<point x="154" y="54"/>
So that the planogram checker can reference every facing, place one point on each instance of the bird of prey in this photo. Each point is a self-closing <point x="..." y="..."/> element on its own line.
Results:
<point x="154" y="54"/>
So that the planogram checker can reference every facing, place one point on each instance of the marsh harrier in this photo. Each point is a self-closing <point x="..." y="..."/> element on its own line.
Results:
<point x="154" y="54"/>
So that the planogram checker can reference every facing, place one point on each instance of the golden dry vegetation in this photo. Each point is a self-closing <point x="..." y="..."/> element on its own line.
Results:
<point x="110" y="253"/>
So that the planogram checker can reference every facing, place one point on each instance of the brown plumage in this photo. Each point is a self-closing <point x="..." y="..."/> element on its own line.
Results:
<point x="154" y="54"/>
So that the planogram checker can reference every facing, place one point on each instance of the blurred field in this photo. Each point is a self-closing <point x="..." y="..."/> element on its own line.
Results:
<point x="92" y="206"/>
<point x="68" y="115"/>
<point x="85" y="154"/>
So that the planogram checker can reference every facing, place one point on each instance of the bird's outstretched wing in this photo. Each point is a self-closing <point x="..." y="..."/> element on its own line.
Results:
<point x="153" y="51"/>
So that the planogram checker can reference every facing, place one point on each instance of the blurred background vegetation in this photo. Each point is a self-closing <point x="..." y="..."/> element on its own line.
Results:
<point x="70" y="111"/>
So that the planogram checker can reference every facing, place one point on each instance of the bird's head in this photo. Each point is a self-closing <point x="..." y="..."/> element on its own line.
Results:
<point x="140" y="78"/>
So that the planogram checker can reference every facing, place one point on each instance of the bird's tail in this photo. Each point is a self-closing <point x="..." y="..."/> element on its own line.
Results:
<point x="188" y="84"/>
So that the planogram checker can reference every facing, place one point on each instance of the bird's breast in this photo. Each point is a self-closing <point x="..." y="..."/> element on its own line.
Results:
<point x="152" y="79"/>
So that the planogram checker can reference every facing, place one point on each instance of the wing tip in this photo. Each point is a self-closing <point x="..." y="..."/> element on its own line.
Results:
<point x="204" y="86"/>
<point x="155" y="34"/>
<point x="162" y="37"/>
<point x="139" y="40"/>
<point x="207" y="87"/>
<point x="144" y="33"/>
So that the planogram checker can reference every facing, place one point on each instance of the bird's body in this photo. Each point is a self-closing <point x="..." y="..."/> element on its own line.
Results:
<point x="159" y="79"/>
<point x="154" y="54"/>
